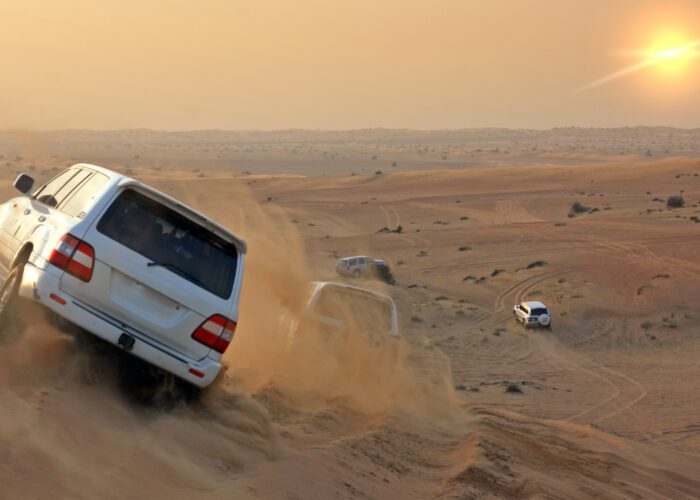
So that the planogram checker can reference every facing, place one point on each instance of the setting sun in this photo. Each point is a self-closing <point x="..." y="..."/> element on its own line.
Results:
<point x="669" y="55"/>
<point x="672" y="54"/>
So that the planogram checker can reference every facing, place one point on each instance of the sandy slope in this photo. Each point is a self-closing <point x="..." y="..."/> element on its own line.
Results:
<point x="609" y="404"/>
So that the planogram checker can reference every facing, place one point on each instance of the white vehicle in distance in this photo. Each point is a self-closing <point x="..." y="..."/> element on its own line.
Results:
<point x="357" y="266"/>
<point x="533" y="314"/>
<point x="334" y="311"/>
<point x="127" y="264"/>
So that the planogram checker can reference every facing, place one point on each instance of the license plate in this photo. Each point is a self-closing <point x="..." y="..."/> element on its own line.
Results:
<point x="126" y="341"/>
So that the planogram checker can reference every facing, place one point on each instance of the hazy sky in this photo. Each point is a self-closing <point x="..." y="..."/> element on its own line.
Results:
<point x="269" y="64"/>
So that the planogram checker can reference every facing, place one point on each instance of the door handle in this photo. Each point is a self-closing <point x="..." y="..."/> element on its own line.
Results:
<point x="42" y="218"/>
<point x="27" y="211"/>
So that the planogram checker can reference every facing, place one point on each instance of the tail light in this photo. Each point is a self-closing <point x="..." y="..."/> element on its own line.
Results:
<point x="216" y="332"/>
<point x="74" y="256"/>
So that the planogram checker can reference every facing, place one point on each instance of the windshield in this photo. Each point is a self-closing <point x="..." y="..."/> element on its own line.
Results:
<point x="538" y="311"/>
<point x="172" y="241"/>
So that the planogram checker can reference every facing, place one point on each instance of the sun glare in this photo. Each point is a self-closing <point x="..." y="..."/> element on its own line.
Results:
<point x="671" y="54"/>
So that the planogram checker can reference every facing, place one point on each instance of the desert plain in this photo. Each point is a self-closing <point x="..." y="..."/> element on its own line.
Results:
<point x="605" y="404"/>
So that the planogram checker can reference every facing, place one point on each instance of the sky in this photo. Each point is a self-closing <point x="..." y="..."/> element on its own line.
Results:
<point x="327" y="64"/>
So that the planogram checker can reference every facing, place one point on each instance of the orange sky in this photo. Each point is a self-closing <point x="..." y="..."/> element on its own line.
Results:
<point x="268" y="64"/>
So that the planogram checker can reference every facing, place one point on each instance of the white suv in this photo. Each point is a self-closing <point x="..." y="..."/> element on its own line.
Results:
<point x="359" y="266"/>
<point x="533" y="314"/>
<point x="128" y="264"/>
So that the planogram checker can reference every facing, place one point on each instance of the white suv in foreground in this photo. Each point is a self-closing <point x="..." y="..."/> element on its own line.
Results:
<point x="126" y="263"/>
<point x="533" y="314"/>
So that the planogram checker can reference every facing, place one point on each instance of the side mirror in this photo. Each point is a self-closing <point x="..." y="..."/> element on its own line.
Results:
<point x="24" y="183"/>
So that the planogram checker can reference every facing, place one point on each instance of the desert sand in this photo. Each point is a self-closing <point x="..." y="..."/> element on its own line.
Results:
<point x="605" y="404"/>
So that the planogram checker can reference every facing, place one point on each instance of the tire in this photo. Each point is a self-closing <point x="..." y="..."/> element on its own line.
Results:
<point x="356" y="273"/>
<point x="9" y="314"/>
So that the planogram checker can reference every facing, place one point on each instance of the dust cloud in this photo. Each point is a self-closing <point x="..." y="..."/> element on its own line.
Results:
<point x="276" y="344"/>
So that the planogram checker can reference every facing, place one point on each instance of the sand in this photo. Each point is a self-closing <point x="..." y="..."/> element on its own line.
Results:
<point x="608" y="404"/>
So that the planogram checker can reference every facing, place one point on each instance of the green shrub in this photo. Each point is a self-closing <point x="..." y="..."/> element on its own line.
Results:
<point x="675" y="201"/>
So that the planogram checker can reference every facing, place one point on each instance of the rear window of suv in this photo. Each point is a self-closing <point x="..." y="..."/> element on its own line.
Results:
<point x="172" y="241"/>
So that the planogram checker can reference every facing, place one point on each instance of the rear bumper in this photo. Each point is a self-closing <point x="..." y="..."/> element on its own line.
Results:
<point x="42" y="285"/>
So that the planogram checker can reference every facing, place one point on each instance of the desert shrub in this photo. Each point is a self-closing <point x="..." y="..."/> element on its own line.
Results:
<point x="496" y="272"/>
<point x="378" y="172"/>
<point x="577" y="208"/>
<point x="465" y="248"/>
<point x="514" y="389"/>
<point x="537" y="263"/>
<point x="416" y="319"/>
<point x="675" y="201"/>
<point x="442" y="297"/>
<point x="464" y="217"/>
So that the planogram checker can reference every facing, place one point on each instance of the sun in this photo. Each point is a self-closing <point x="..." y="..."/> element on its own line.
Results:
<point x="670" y="55"/>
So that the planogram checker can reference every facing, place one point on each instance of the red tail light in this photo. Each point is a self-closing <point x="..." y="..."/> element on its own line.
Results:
<point x="74" y="256"/>
<point x="216" y="332"/>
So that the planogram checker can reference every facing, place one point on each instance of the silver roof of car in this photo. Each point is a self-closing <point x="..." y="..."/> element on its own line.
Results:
<point x="534" y="304"/>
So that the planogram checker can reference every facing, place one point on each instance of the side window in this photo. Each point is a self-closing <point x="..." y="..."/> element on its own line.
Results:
<point x="353" y="262"/>
<point x="361" y="261"/>
<point x="47" y="194"/>
<point x="69" y="187"/>
<point x="82" y="197"/>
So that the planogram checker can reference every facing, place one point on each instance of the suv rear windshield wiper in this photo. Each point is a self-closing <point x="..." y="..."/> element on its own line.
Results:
<point x="177" y="270"/>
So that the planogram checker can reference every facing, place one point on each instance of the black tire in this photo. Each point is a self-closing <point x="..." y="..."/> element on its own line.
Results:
<point x="9" y="314"/>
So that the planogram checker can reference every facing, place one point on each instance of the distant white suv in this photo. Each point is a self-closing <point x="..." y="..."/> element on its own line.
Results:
<point x="533" y="314"/>
<point x="126" y="263"/>
<point x="360" y="265"/>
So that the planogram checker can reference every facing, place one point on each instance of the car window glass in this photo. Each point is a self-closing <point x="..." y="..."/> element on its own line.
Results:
<point x="69" y="187"/>
<point x="353" y="262"/>
<point x="46" y="194"/>
<point x="82" y="197"/>
<point x="172" y="241"/>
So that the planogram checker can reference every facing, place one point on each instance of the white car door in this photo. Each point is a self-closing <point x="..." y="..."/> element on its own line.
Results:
<point x="43" y="215"/>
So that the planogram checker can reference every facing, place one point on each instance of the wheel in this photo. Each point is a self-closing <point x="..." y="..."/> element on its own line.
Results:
<point x="9" y="317"/>
<point x="356" y="273"/>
